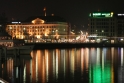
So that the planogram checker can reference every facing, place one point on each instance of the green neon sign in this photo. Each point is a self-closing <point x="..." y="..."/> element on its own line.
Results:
<point x="101" y="14"/>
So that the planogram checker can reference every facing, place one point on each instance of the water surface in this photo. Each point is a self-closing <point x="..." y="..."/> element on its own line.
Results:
<point x="73" y="65"/>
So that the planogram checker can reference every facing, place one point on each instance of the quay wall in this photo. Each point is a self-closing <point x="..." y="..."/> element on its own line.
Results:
<point x="73" y="45"/>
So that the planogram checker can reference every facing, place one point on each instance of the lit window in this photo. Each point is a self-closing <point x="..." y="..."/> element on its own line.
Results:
<point x="102" y="30"/>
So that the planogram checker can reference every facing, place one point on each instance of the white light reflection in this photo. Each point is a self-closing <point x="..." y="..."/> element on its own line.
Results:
<point x="64" y="62"/>
<point x="57" y="63"/>
<point x="103" y="59"/>
<point x="24" y="74"/>
<point x="16" y="72"/>
<point x="121" y="56"/>
<point x="112" y="53"/>
<point x="93" y="55"/>
<point x="98" y="56"/>
<point x="120" y="69"/>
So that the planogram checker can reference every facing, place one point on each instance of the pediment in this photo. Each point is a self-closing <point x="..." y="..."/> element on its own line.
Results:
<point x="38" y="21"/>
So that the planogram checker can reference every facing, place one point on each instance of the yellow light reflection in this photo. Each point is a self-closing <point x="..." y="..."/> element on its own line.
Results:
<point x="43" y="72"/>
<point x="54" y="63"/>
<point x="9" y="67"/>
<point x="78" y="57"/>
<point x="72" y="61"/>
<point x="36" y="67"/>
<point x="87" y="58"/>
<point x="82" y="60"/>
<point x="47" y="61"/>
<point x="112" y="69"/>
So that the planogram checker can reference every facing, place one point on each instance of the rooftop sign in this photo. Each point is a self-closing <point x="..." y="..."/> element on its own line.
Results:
<point x="101" y="14"/>
<point x="16" y="22"/>
<point x="120" y="14"/>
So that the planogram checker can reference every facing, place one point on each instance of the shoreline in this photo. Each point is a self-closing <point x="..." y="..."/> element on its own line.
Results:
<point x="73" y="45"/>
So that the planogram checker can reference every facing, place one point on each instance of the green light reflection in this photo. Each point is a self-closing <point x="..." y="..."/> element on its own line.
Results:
<point x="99" y="75"/>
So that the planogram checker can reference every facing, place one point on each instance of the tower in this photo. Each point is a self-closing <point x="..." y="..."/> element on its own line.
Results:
<point x="44" y="11"/>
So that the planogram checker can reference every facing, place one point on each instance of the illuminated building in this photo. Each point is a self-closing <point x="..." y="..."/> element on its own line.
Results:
<point x="102" y="24"/>
<point x="120" y="24"/>
<point x="39" y="29"/>
<point x="106" y="25"/>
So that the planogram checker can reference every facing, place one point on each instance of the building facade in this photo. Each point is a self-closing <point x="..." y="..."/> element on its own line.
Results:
<point x="39" y="29"/>
<point x="120" y="24"/>
<point x="102" y="25"/>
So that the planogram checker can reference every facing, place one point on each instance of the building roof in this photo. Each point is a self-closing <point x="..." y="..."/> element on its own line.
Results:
<point x="46" y="18"/>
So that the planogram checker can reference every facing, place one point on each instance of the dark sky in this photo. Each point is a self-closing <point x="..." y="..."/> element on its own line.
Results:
<point x="74" y="11"/>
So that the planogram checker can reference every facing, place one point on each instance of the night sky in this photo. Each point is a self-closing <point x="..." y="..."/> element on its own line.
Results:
<point x="74" y="11"/>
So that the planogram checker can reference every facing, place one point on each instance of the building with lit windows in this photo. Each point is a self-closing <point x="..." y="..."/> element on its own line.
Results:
<point x="39" y="29"/>
<point x="120" y="24"/>
<point x="102" y="25"/>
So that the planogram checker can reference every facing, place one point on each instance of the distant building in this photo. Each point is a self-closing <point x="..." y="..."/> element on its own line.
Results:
<point x="102" y="25"/>
<point x="120" y="24"/>
<point x="39" y="28"/>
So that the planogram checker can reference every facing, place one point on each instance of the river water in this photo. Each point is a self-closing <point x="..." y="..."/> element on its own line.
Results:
<point x="72" y="65"/>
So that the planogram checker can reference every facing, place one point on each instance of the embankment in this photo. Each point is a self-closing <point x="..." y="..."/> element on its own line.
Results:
<point x="73" y="45"/>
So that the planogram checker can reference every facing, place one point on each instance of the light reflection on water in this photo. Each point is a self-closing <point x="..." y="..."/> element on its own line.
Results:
<point x="75" y="65"/>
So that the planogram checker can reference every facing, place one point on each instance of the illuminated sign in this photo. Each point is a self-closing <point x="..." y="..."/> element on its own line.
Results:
<point x="16" y="22"/>
<point x="101" y="14"/>
<point x="120" y="14"/>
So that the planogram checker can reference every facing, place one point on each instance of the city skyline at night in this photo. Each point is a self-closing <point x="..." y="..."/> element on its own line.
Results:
<point x="75" y="12"/>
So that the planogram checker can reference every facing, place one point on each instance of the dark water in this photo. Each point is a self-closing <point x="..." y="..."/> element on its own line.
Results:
<point x="75" y="65"/>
